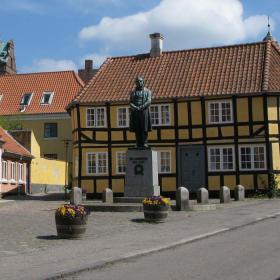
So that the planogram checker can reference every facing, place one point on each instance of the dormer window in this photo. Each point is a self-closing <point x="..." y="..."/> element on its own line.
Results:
<point x="47" y="97"/>
<point x="26" y="98"/>
<point x="1" y="96"/>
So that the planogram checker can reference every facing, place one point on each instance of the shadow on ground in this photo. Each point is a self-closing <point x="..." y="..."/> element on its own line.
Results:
<point x="40" y="197"/>
<point x="48" y="237"/>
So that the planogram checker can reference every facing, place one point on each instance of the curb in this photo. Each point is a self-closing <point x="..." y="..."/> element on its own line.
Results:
<point x="111" y="261"/>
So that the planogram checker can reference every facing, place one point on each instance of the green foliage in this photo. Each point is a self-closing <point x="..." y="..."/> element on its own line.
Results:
<point x="9" y="124"/>
<point x="273" y="189"/>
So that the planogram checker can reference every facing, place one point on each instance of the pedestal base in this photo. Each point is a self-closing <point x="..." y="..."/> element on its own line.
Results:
<point x="141" y="178"/>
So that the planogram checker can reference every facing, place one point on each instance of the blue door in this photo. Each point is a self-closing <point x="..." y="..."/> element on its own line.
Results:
<point x="192" y="167"/>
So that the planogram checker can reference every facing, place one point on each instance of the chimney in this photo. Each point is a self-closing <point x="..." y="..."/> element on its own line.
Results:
<point x="88" y="65"/>
<point x="156" y="44"/>
<point x="87" y="73"/>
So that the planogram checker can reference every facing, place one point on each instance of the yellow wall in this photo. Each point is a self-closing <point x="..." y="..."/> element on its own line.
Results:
<point x="49" y="172"/>
<point x="242" y="110"/>
<point x="272" y="108"/>
<point x="183" y="113"/>
<point x="257" y="104"/>
<point x="275" y="156"/>
<point x="50" y="146"/>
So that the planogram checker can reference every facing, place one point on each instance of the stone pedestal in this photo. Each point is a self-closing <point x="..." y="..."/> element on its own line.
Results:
<point x="239" y="193"/>
<point x="182" y="199"/>
<point x="224" y="194"/>
<point x="107" y="196"/>
<point x="76" y="196"/>
<point x="141" y="177"/>
<point x="202" y="196"/>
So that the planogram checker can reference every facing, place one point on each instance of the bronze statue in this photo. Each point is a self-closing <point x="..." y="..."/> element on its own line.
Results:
<point x="140" y="118"/>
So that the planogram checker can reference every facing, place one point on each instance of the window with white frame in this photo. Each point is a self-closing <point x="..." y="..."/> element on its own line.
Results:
<point x="4" y="171"/>
<point x="96" y="117"/>
<point x="221" y="158"/>
<point x="252" y="157"/>
<point x="160" y="114"/>
<point x="20" y="173"/>
<point x="47" y="97"/>
<point x="220" y="112"/>
<point x="26" y="98"/>
<point x="164" y="161"/>
<point x="120" y="162"/>
<point x="13" y="171"/>
<point x="97" y="163"/>
<point x="123" y="117"/>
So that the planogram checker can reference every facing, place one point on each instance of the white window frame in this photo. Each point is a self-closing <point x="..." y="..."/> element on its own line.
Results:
<point x="252" y="146"/>
<point x="13" y="172"/>
<point x="95" y="113"/>
<point x="50" y="100"/>
<point x="29" y="100"/>
<point x="221" y="147"/>
<point x="160" y="122"/>
<point x="220" y="102"/>
<point x="159" y="162"/>
<point x="1" y="96"/>
<point x="4" y="174"/>
<point x="126" y="117"/>
<point x="20" y="173"/>
<point x="97" y="154"/>
<point x="123" y="153"/>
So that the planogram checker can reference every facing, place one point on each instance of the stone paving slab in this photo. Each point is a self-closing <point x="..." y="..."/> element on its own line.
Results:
<point x="29" y="248"/>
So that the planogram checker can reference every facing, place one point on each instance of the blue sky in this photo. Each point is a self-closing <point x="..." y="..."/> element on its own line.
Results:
<point x="59" y="34"/>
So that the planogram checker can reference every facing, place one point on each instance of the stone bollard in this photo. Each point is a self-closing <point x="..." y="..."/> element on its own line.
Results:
<point x="239" y="193"/>
<point x="76" y="196"/>
<point x="224" y="194"/>
<point x="202" y="196"/>
<point x="107" y="196"/>
<point x="182" y="199"/>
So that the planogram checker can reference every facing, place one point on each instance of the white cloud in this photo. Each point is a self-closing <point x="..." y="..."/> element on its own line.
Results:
<point x="184" y="24"/>
<point x="98" y="59"/>
<point x="47" y="64"/>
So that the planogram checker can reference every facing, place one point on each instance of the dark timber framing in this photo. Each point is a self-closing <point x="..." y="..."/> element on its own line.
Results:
<point x="258" y="133"/>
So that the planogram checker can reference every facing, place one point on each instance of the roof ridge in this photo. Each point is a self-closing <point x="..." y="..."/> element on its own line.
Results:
<point x="41" y="72"/>
<point x="276" y="46"/>
<point x="13" y="139"/>
<point x="266" y="61"/>
<point x="79" y="80"/>
<point x="194" y="49"/>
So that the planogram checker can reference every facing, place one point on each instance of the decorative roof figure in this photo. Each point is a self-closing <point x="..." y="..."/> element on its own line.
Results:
<point x="3" y="52"/>
<point x="269" y="36"/>
<point x="7" y="58"/>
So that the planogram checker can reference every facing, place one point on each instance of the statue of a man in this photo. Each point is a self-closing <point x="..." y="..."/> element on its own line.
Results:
<point x="140" y="119"/>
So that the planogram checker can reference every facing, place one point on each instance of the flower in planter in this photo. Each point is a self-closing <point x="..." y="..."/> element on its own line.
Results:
<point x="71" y="211"/>
<point x="71" y="221"/>
<point x="156" y="200"/>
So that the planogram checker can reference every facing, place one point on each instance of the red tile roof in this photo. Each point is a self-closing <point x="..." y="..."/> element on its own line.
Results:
<point x="64" y="84"/>
<point x="11" y="145"/>
<point x="237" y="69"/>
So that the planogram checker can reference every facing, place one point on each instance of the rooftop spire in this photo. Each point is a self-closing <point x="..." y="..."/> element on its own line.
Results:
<point x="268" y="36"/>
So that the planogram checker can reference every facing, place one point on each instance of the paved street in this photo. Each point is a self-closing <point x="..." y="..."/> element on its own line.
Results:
<point x="29" y="248"/>
<point x="248" y="253"/>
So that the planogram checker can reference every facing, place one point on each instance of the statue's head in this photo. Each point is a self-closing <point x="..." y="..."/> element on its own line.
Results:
<point x="140" y="82"/>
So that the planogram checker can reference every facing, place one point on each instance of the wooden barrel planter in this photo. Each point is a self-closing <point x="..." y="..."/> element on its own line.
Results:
<point x="155" y="213"/>
<point x="70" y="228"/>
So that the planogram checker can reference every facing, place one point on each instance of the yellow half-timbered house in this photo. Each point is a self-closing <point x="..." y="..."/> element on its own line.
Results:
<point x="215" y="115"/>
